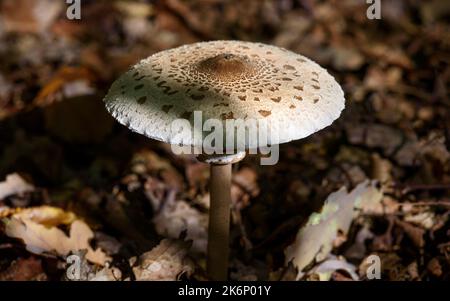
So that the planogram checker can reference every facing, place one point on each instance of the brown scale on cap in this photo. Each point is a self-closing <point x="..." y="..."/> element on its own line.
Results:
<point x="226" y="67"/>
<point x="226" y="80"/>
<point x="264" y="113"/>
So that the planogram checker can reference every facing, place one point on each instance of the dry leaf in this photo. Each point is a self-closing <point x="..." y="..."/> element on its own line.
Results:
<point x="426" y="219"/>
<point x="375" y="136"/>
<point x="24" y="269"/>
<point x="62" y="77"/>
<point x="107" y="274"/>
<point x="381" y="169"/>
<point x="147" y="162"/>
<point x="6" y="211"/>
<point x="47" y="216"/>
<point x="241" y="272"/>
<point x="245" y="186"/>
<point x="346" y="58"/>
<point x="167" y="261"/>
<point x="315" y="239"/>
<point x="326" y="269"/>
<point x="434" y="267"/>
<point x="414" y="233"/>
<point x="358" y="249"/>
<point x="29" y="16"/>
<point x="40" y="239"/>
<point x="178" y="216"/>
<point x="14" y="184"/>
<point x="134" y="9"/>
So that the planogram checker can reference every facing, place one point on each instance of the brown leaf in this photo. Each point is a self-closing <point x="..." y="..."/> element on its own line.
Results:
<point x="107" y="274"/>
<point x="413" y="232"/>
<point x="178" y="216"/>
<point x="24" y="269"/>
<point x="167" y="261"/>
<point x="434" y="267"/>
<point x="62" y="77"/>
<point x="375" y="136"/>
<point x="148" y="162"/>
<point x="325" y="269"/>
<point x="47" y="216"/>
<point x="29" y="15"/>
<point x="381" y="169"/>
<point x="244" y="187"/>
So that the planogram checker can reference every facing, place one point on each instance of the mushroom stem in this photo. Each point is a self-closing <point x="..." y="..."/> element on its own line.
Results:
<point x="219" y="221"/>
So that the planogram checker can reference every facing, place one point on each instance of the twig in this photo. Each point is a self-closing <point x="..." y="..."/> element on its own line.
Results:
<point x="405" y="189"/>
<point x="6" y="246"/>
<point x="431" y="203"/>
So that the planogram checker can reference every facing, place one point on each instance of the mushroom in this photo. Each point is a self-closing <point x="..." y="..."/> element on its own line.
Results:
<point x="225" y="80"/>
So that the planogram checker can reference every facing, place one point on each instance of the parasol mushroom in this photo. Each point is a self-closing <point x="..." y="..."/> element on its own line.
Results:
<point x="225" y="80"/>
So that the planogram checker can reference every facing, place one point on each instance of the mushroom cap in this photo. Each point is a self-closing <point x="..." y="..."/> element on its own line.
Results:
<point x="226" y="80"/>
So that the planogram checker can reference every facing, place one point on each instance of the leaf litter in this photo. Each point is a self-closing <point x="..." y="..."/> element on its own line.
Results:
<point x="314" y="241"/>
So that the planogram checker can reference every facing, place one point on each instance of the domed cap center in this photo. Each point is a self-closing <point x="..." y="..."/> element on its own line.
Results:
<point x="226" y="66"/>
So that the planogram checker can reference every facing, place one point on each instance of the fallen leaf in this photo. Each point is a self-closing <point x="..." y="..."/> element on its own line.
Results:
<point x="346" y="58"/>
<point x="375" y="136"/>
<point x="426" y="219"/>
<point x="167" y="261"/>
<point x="434" y="267"/>
<point x="134" y="9"/>
<point x="413" y="270"/>
<point x="14" y="184"/>
<point x="107" y="243"/>
<point x="241" y="272"/>
<point x="433" y="146"/>
<point x="65" y="75"/>
<point x="314" y="241"/>
<point x="6" y="211"/>
<point x="29" y="16"/>
<point x="381" y="169"/>
<point x="325" y="269"/>
<point x="178" y="216"/>
<point x="106" y="274"/>
<point x="46" y="215"/>
<point x="244" y="187"/>
<point x="40" y="239"/>
<point x="414" y="233"/>
<point x="147" y="162"/>
<point x="24" y="269"/>
<point x="358" y="249"/>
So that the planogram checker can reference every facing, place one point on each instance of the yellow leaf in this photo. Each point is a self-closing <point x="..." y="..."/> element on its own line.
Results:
<point x="47" y="216"/>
